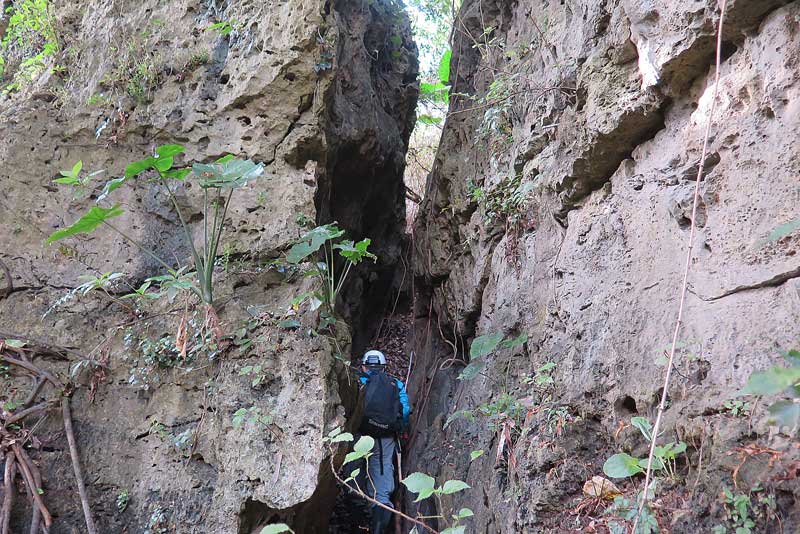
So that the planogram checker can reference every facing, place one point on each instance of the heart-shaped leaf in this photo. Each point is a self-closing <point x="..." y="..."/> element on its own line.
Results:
<point x="621" y="465"/>
<point x="454" y="486"/>
<point x="485" y="344"/>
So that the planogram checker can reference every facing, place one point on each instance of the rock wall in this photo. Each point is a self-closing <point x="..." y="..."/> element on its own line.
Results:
<point x="559" y="207"/>
<point x="321" y="92"/>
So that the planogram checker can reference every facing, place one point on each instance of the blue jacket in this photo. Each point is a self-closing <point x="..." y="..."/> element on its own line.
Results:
<point x="403" y="396"/>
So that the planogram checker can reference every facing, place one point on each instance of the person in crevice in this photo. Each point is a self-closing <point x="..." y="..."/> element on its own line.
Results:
<point x="386" y="412"/>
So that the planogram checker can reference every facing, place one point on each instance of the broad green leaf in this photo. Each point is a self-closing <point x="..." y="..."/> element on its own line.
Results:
<point x="419" y="483"/>
<point x="168" y="151"/>
<point x="485" y="344"/>
<point x="335" y="432"/>
<point x="225" y="159"/>
<point x="679" y="448"/>
<point x="474" y="455"/>
<point x="277" y="528"/>
<point x="177" y="174"/>
<point x="786" y="413"/>
<point x="364" y="444"/>
<point x="163" y="163"/>
<point x="621" y="465"/>
<point x="515" y="342"/>
<point x="232" y="173"/>
<point x="355" y="252"/>
<point x="771" y="381"/>
<point x="444" y="67"/>
<point x="458" y="529"/>
<point x="472" y="370"/>
<point x="67" y="180"/>
<point x="454" y="486"/>
<point x="91" y="220"/>
<point x="76" y="169"/>
<point x="138" y="167"/>
<point x="353" y="456"/>
<point x="657" y="464"/>
<point x="463" y="514"/>
<point x="344" y="436"/>
<point x="289" y="324"/>
<point x="15" y="343"/>
<point x="435" y="92"/>
<point x="299" y="252"/>
<point x="644" y="426"/>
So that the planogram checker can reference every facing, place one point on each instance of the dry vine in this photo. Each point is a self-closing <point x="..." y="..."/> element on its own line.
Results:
<point x="684" y="285"/>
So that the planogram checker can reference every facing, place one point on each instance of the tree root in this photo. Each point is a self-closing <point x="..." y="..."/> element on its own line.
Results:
<point x="16" y="457"/>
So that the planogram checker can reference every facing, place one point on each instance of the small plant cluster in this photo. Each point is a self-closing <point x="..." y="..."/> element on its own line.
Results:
<point x="30" y="44"/>
<point x="217" y="181"/>
<point x="137" y="71"/>
<point x="623" y="465"/>
<point x="742" y="514"/>
<point x="622" y="514"/>
<point x="783" y="381"/>
<point x="252" y="415"/>
<point x="328" y="239"/>
<point x="422" y="485"/>
<point x="485" y="345"/>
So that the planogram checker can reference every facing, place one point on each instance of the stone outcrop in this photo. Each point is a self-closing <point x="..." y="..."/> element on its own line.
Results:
<point x="323" y="93"/>
<point x="559" y="207"/>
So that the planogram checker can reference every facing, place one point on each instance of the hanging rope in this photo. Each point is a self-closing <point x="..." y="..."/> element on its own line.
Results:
<point x="684" y="285"/>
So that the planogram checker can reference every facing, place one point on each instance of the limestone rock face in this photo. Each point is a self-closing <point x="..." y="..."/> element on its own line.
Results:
<point x="559" y="207"/>
<point x="323" y="93"/>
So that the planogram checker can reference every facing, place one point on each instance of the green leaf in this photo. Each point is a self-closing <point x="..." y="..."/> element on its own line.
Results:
<point x="444" y="67"/>
<point x="168" y="151"/>
<point x="354" y="253"/>
<point x="69" y="180"/>
<point x="76" y="169"/>
<point x="163" y="163"/>
<point x="467" y="414"/>
<point x="233" y="173"/>
<point x="137" y="167"/>
<point x="177" y="174"/>
<point x="225" y="159"/>
<point x="472" y="370"/>
<point x="454" y="486"/>
<point x="644" y="426"/>
<point x="91" y="220"/>
<point x="793" y="357"/>
<point x="657" y="464"/>
<point x="353" y="456"/>
<point x="299" y="252"/>
<point x="474" y="455"/>
<point x="785" y="413"/>
<point x="435" y="92"/>
<point x="485" y="344"/>
<point x="458" y="529"/>
<point x="463" y="514"/>
<point x="515" y="342"/>
<point x="15" y="343"/>
<point x="289" y="324"/>
<point x="421" y="484"/>
<point x="772" y="381"/>
<point x="621" y="465"/>
<point x="364" y="445"/>
<point x="277" y="528"/>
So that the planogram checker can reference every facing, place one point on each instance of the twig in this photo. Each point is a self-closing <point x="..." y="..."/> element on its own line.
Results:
<point x="378" y="503"/>
<point x="76" y="466"/>
<point x="33" y="369"/>
<point x="687" y="268"/>
<point x="21" y="414"/>
<point x="42" y="344"/>
<point x="9" y="281"/>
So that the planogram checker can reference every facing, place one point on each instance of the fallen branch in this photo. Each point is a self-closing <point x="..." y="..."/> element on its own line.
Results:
<point x="37" y="478"/>
<point x="687" y="268"/>
<point x="377" y="502"/>
<point x="76" y="466"/>
<point x="20" y="415"/>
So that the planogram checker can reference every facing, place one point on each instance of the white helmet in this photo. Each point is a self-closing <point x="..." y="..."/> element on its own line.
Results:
<point x="373" y="357"/>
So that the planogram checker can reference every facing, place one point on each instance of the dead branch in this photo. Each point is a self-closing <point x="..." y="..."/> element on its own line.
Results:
<point x="76" y="466"/>
<point x="43" y="346"/>
<point x="33" y="370"/>
<point x="37" y="478"/>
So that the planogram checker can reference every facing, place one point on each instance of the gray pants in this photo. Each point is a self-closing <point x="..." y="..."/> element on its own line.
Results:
<point x="380" y="483"/>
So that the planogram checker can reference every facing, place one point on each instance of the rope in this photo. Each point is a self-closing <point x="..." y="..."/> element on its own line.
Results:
<point x="684" y="285"/>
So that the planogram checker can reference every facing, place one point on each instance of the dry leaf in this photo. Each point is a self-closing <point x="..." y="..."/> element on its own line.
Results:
<point x="601" y="487"/>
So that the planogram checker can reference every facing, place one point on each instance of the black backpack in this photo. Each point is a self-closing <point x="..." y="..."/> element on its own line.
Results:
<point x="383" y="413"/>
